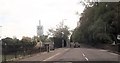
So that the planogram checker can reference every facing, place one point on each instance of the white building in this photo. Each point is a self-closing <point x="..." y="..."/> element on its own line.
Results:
<point x="39" y="29"/>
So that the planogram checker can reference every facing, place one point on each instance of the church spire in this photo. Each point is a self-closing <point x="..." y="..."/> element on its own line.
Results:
<point x="39" y="23"/>
<point x="39" y="29"/>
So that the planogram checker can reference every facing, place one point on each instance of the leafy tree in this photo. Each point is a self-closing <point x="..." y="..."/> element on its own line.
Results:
<point x="10" y="44"/>
<point x="61" y="31"/>
<point x="7" y="44"/>
<point x="98" y="23"/>
<point x="27" y="43"/>
<point x="43" y="38"/>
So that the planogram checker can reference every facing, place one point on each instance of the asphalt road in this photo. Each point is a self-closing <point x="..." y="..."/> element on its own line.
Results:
<point x="86" y="54"/>
<point x="75" y="54"/>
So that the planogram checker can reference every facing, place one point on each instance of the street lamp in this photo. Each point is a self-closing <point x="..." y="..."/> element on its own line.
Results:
<point x="62" y="39"/>
<point x="5" y="45"/>
<point x="118" y="43"/>
<point x="15" y="51"/>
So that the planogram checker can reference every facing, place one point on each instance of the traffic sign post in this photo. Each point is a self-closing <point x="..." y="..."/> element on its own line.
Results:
<point x="118" y="37"/>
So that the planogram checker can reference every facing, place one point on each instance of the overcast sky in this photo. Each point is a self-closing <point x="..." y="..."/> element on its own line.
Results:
<point x="20" y="17"/>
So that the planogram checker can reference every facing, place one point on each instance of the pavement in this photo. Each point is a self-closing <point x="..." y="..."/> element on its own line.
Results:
<point x="45" y="56"/>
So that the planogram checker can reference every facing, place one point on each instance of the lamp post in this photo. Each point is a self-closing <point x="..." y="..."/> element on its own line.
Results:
<point x="62" y="39"/>
<point x="5" y="47"/>
<point x="63" y="32"/>
<point x="118" y="43"/>
<point x="24" y="50"/>
<point x="15" y="51"/>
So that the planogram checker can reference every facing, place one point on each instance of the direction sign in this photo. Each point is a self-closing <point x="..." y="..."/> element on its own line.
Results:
<point x="118" y="37"/>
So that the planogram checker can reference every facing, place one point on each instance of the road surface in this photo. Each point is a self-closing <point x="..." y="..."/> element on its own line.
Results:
<point x="75" y="54"/>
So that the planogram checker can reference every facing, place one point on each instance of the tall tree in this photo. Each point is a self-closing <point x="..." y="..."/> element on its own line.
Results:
<point x="98" y="23"/>
<point x="61" y="31"/>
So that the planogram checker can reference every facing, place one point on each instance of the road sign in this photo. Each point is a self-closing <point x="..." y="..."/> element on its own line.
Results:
<point x="118" y="37"/>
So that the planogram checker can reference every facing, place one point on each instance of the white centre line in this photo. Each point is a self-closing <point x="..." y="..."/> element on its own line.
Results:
<point x="51" y="57"/>
<point x="86" y="58"/>
<point x="83" y="55"/>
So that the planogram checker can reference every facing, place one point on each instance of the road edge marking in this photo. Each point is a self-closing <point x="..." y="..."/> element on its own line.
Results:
<point x="102" y="50"/>
<point x="44" y="53"/>
<point x="113" y="53"/>
<point x="51" y="57"/>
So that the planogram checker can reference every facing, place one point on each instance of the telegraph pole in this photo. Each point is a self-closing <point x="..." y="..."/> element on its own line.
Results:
<point x="63" y="32"/>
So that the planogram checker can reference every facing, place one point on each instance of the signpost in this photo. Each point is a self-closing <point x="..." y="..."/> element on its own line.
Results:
<point x="62" y="40"/>
<point x="118" y="37"/>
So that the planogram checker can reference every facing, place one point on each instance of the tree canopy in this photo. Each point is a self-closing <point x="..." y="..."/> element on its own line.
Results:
<point x="98" y="23"/>
<point x="62" y="31"/>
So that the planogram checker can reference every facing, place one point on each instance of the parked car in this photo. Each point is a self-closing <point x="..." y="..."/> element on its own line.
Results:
<point x="77" y="45"/>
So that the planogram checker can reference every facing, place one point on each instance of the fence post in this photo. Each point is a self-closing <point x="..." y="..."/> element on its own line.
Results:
<point x="15" y="51"/>
<point x="48" y="48"/>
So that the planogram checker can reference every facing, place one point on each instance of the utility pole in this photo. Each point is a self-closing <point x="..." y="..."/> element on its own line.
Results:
<point x="63" y="32"/>
<point x="62" y="39"/>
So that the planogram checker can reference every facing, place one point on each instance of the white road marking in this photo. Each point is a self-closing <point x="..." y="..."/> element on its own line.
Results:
<point x="113" y="54"/>
<point x="86" y="58"/>
<point x="110" y="53"/>
<point x="51" y="57"/>
<point x="66" y="49"/>
<point x="44" y="53"/>
<point x="83" y="54"/>
<point x="103" y="50"/>
<point x="52" y="51"/>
